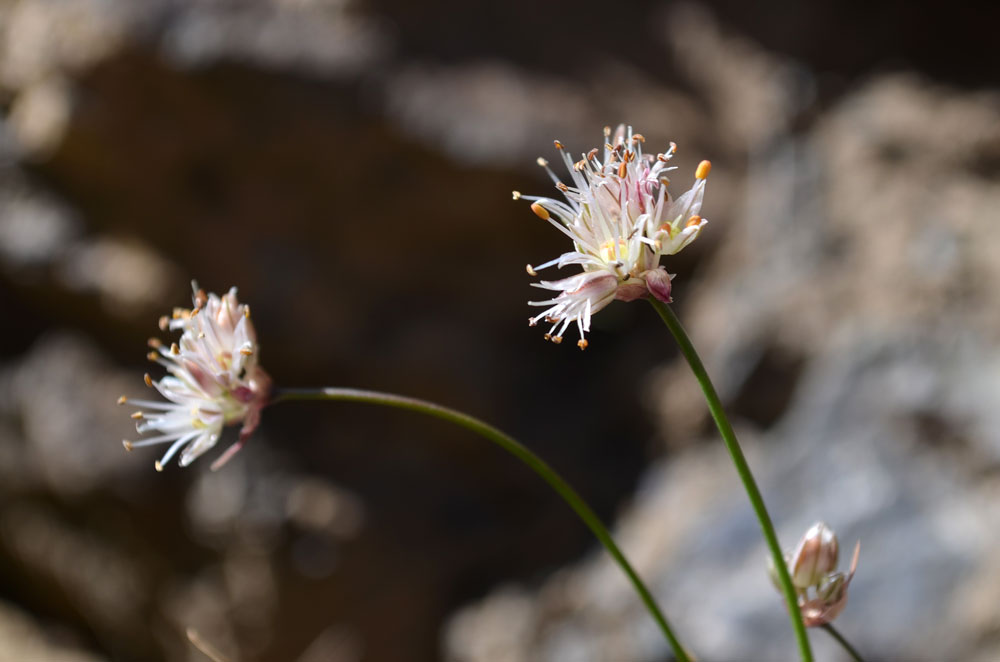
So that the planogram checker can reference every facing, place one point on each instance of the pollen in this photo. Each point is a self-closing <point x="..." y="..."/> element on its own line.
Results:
<point x="704" y="168"/>
<point x="540" y="211"/>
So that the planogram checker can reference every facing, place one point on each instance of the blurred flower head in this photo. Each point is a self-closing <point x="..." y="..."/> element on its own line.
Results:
<point x="213" y="380"/>
<point x="621" y="219"/>
<point x="822" y="592"/>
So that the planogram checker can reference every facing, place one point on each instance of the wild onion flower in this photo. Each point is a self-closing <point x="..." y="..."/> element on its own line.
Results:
<point x="621" y="219"/>
<point x="822" y="592"/>
<point x="213" y="380"/>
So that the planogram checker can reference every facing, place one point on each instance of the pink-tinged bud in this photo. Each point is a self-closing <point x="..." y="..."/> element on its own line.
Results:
<point x="822" y="592"/>
<point x="658" y="283"/>
<point x="815" y="557"/>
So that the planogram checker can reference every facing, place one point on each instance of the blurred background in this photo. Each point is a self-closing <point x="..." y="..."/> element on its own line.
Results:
<point x="348" y="164"/>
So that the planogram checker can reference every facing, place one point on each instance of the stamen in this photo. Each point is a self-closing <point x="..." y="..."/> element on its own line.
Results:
<point x="540" y="211"/>
<point x="704" y="168"/>
<point x="122" y="400"/>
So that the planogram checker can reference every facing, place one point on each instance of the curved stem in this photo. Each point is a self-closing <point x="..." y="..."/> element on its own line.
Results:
<point x="855" y="655"/>
<point x="521" y="452"/>
<point x="743" y="469"/>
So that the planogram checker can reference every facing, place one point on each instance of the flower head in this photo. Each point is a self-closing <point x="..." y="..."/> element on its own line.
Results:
<point x="822" y="592"/>
<point x="621" y="220"/>
<point x="213" y="380"/>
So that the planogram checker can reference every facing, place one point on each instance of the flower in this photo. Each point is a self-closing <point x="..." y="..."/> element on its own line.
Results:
<point x="822" y="593"/>
<point x="621" y="220"/>
<point x="214" y="380"/>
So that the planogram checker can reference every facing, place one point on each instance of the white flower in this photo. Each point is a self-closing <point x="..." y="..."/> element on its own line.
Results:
<point x="621" y="220"/>
<point x="214" y="380"/>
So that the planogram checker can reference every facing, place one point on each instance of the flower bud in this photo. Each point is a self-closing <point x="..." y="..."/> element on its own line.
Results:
<point x="815" y="557"/>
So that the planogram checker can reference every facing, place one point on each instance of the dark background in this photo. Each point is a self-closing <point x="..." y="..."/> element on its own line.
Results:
<point x="348" y="165"/>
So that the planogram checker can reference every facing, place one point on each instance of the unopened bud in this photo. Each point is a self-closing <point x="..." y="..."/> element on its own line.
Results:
<point x="815" y="557"/>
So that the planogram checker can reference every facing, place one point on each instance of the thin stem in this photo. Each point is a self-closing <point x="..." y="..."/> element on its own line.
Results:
<point x="743" y="469"/>
<point x="521" y="452"/>
<point x="843" y="642"/>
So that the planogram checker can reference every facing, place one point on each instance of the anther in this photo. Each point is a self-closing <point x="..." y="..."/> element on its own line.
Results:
<point x="556" y="340"/>
<point x="540" y="211"/>
<point x="530" y="270"/>
<point x="580" y="165"/>
<point x="558" y="144"/>
<point x="547" y="336"/>
<point x="174" y="349"/>
<point x="155" y="343"/>
<point x="532" y="322"/>
<point x="201" y="336"/>
<point x="122" y="400"/>
<point x="127" y="444"/>
<point x="562" y="187"/>
<point x="246" y="311"/>
<point x="542" y="162"/>
<point x="663" y="158"/>
<point x="704" y="168"/>
<point x="582" y="343"/>
<point x="246" y="351"/>
<point x="609" y="147"/>
<point x="638" y="138"/>
<point x="153" y="356"/>
<point x="149" y="380"/>
<point x="164" y="323"/>
<point x="694" y="220"/>
<point x="136" y="415"/>
<point x="607" y="131"/>
<point x="516" y="195"/>
<point x="622" y="169"/>
<point x="158" y="466"/>
<point x="592" y="154"/>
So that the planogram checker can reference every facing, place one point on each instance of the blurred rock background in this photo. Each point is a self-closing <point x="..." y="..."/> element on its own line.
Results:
<point x="348" y="164"/>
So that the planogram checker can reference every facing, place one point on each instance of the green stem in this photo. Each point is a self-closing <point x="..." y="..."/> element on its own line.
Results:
<point x="843" y="642"/>
<point x="521" y="452"/>
<point x="743" y="469"/>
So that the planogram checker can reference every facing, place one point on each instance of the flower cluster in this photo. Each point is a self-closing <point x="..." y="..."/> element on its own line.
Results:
<point x="621" y="220"/>
<point x="822" y="592"/>
<point x="213" y="380"/>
